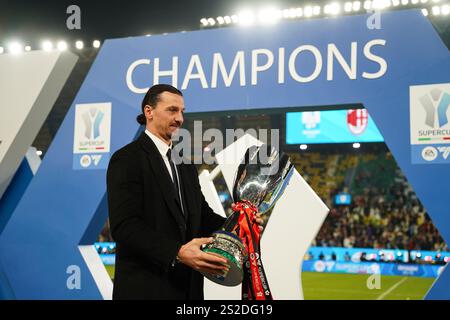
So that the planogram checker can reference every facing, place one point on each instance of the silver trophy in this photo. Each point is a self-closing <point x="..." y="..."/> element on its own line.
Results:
<point x="259" y="182"/>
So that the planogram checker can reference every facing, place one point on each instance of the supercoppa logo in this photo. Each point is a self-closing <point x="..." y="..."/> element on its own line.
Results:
<point x="311" y="120"/>
<point x="92" y="135"/>
<point x="436" y="104"/>
<point x="92" y="120"/>
<point x="429" y="110"/>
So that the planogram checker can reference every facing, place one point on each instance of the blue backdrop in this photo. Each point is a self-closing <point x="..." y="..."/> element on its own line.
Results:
<point x="64" y="206"/>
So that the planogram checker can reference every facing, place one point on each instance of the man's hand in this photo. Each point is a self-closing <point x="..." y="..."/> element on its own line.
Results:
<point x="260" y="222"/>
<point x="191" y="255"/>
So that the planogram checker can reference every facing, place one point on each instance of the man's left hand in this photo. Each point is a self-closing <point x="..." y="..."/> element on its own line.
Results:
<point x="260" y="222"/>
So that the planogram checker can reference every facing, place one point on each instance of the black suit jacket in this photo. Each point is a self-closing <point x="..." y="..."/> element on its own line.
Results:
<point x="149" y="227"/>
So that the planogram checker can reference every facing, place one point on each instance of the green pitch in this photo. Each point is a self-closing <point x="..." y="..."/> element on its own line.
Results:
<point x="335" y="286"/>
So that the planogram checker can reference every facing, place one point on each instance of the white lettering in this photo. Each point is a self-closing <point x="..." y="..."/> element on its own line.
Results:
<point x="280" y="65"/>
<point x="167" y="73"/>
<point x="293" y="57"/>
<point x="375" y="58"/>
<point x="195" y="69"/>
<point x="257" y="68"/>
<point x="334" y="52"/>
<point x="228" y="78"/>
<point x="194" y="62"/>
<point x="129" y="77"/>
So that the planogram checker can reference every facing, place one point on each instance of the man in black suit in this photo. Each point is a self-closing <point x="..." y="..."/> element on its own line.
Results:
<point x="158" y="214"/>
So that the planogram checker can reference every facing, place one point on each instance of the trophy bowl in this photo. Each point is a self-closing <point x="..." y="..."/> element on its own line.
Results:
<point x="228" y="245"/>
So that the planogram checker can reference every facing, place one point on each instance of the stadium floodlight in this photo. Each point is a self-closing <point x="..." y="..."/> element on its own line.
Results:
<point x="62" y="46"/>
<point x="292" y="13"/>
<point x="436" y="1"/>
<point x="308" y="11"/>
<point x="395" y="3"/>
<point x="436" y="10"/>
<point x="220" y="20"/>
<point x="2" y="50"/>
<point x="27" y="48"/>
<point x="445" y="10"/>
<point x="227" y="19"/>
<point x="299" y="12"/>
<point x="303" y="146"/>
<point x="356" y="145"/>
<point x="234" y="18"/>
<point x="335" y="8"/>
<point x="367" y="5"/>
<point x="356" y="5"/>
<point x="39" y="152"/>
<point x="425" y="12"/>
<point x="96" y="44"/>
<point x="269" y="15"/>
<point x="381" y="4"/>
<point x="414" y="1"/>
<point x="285" y="13"/>
<point x="79" y="45"/>
<point x="348" y="7"/>
<point x="246" y="17"/>
<point x="405" y="2"/>
<point x="423" y="1"/>
<point x="47" y="45"/>
<point x="204" y="22"/>
<point x="15" y="48"/>
<point x="211" y="21"/>
<point x="316" y="10"/>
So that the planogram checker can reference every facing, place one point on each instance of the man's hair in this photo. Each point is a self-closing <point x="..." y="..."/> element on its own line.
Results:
<point x="152" y="97"/>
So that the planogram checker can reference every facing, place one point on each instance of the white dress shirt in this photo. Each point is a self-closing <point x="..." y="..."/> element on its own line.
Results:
<point x="162" y="148"/>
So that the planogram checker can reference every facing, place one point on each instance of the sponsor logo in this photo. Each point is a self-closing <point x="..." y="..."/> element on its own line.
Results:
<point x="88" y="160"/>
<point x="445" y="151"/>
<point x="92" y="128"/>
<point x="429" y="153"/>
<point x="319" y="266"/>
<point x="429" y="111"/>
<point x="429" y="114"/>
<point x="92" y="134"/>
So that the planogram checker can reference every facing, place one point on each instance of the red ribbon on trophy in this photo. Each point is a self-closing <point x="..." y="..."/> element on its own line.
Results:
<point x="254" y="285"/>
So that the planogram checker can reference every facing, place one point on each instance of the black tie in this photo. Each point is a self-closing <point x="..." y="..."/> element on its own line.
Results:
<point x="175" y="181"/>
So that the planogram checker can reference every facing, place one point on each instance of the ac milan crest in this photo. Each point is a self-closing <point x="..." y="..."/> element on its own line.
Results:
<point x="357" y="121"/>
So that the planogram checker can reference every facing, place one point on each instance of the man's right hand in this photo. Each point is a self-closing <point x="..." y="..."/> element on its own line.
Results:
<point x="191" y="255"/>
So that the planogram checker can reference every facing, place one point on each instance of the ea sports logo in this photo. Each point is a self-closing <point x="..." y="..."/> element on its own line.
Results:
<point x="357" y="121"/>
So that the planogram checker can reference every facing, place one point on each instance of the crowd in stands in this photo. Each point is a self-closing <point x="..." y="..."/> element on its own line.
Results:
<point x="385" y="212"/>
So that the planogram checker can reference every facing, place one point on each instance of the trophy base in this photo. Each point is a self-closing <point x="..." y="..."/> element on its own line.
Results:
<point x="234" y="276"/>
